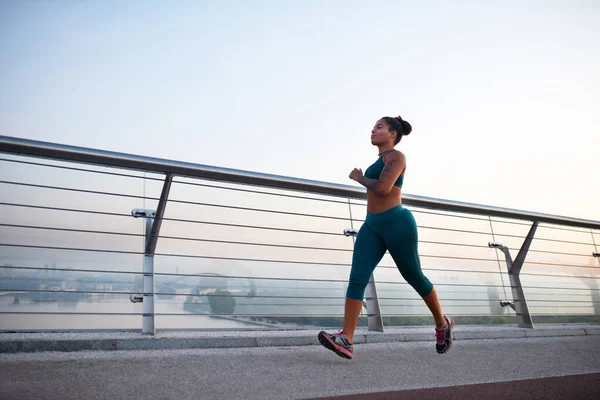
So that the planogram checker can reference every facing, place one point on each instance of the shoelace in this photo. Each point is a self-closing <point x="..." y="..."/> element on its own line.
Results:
<point x="439" y="334"/>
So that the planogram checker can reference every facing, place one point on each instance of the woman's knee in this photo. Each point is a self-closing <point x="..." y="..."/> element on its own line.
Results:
<point x="420" y="283"/>
<point x="356" y="289"/>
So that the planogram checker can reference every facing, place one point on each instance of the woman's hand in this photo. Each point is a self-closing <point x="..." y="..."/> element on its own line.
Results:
<point x="356" y="175"/>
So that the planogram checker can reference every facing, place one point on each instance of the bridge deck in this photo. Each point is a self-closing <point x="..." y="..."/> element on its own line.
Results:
<point x="305" y="372"/>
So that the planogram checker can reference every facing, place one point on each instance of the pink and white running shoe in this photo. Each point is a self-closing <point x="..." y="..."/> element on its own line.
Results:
<point x="338" y="343"/>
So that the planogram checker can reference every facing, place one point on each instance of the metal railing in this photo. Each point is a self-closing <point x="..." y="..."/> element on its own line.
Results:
<point x="249" y="249"/>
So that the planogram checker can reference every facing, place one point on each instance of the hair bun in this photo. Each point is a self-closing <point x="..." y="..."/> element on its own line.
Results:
<point x="406" y="127"/>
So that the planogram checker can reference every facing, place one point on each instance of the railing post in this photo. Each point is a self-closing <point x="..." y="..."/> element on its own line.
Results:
<point x="374" y="319"/>
<point x="514" y="268"/>
<point x="153" y="224"/>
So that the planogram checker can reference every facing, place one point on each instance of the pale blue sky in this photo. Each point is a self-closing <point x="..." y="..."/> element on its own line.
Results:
<point x="294" y="87"/>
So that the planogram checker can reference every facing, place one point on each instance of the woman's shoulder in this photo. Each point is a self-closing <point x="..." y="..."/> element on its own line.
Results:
<point x="395" y="155"/>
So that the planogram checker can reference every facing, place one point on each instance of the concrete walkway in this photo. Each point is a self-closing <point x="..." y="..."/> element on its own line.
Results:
<point x="303" y="372"/>
<point x="34" y="342"/>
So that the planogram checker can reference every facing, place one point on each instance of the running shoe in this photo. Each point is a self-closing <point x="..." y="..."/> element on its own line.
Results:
<point x="338" y="343"/>
<point x="444" y="336"/>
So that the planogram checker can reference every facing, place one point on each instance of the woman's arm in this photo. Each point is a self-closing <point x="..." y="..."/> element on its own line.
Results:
<point x="394" y="164"/>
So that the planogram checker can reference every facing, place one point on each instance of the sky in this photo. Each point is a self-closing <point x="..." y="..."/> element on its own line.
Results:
<point x="503" y="97"/>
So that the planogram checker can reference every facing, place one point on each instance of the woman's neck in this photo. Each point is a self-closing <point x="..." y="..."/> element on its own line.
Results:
<point x="385" y="149"/>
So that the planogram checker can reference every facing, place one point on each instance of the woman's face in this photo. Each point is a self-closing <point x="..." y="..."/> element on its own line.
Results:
<point x="381" y="134"/>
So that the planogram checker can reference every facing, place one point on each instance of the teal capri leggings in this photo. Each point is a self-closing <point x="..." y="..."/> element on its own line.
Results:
<point x="394" y="230"/>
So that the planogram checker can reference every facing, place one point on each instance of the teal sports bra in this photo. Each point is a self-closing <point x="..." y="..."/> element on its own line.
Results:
<point x="374" y="171"/>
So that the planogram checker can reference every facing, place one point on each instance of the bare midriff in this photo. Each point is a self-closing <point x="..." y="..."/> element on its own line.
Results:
<point x="377" y="203"/>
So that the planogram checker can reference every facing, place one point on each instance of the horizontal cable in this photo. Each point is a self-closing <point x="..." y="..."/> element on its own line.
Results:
<point x="386" y="315"/>
<point x="296" y="214"/>
<point x="380" y="282"/>
<point x="567" y="296"/>
<point x="69" y="249"/>
<point x="246" y="296"/>
<point x="250" y="243"/>
<point x="300" y="231"/>
<point x="131" y="196"/>
<point x="563" y="314"/>
<point x="327" y="280"/>
<point x="177" y="238"/>
<point x="298" y="262"/>
<point x="251" y="226"/>
<point x="64" y="313"/>
<point x="254" y="304"/>
<point x="68" y="291"/>
<point x="447" y="284"/>
<point x="341" y="298"/>
<point x="299" y="247"/>
<point x="206" y="275"/>
<point x="164" y="219"/>
<point x="235" y="189"/>
<point x="233" y="225"/>
<point x="560" y="228"/>
<point x="562" y="301"/>
<point x="252" y="315"/>
<point x="202" y="275"/>
<point x="566" y="266"/>
<point x="257" y="244"/>
<point x="127" y="161"/>
<point x="561" y="241"/>
<point x="423" y="211"/>
<point x="453" y="230"/>
<point x="567" y="307"/>
<point x="179" y="182"/>
<point x="344" y="202"/>
<point x="560" y="253"/>
<point x="66" y="209"/>
<point x="217" y="258"/>
<point x="83" y="170"/>
<point x="465" y="271"/>
<point x="543" y="225"/>
<point x="558" y="276"/>
<point x="458" y="258"/>
<point x="73" y="230"/>
<point x="440" y="298"/>
<point x="556" y="288"/>
<point x="73" y="270"/>
<point x="541" y="239"/>
<point x="182" y="201"/>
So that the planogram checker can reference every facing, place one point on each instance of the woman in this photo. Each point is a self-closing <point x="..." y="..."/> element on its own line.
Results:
<point x="391" y="227"/>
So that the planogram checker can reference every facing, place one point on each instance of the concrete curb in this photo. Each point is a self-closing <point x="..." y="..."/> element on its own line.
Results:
<point x="42" y="342"/>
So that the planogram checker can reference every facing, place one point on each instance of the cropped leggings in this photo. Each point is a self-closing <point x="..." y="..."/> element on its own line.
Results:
<point x="394" y="230"/>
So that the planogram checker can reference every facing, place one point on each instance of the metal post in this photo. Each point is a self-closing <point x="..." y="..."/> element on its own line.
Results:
<point x="153" y="224"/>
<point x="373" y="311"/>
<point x="514" y="268"/>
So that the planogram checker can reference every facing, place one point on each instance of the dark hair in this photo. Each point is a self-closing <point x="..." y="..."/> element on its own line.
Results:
<point x="402" y="127"/>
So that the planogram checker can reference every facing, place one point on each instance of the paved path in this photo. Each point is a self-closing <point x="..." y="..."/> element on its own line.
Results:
<point x="291" y="372"/>
<point x="572" y="387"/>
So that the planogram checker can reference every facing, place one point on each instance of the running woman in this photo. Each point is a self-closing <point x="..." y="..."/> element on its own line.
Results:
<point x="388" y="227"/>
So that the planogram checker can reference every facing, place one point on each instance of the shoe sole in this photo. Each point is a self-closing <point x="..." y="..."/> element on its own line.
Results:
<point x="451" y="325"/>
<point x="328" y="344"/>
